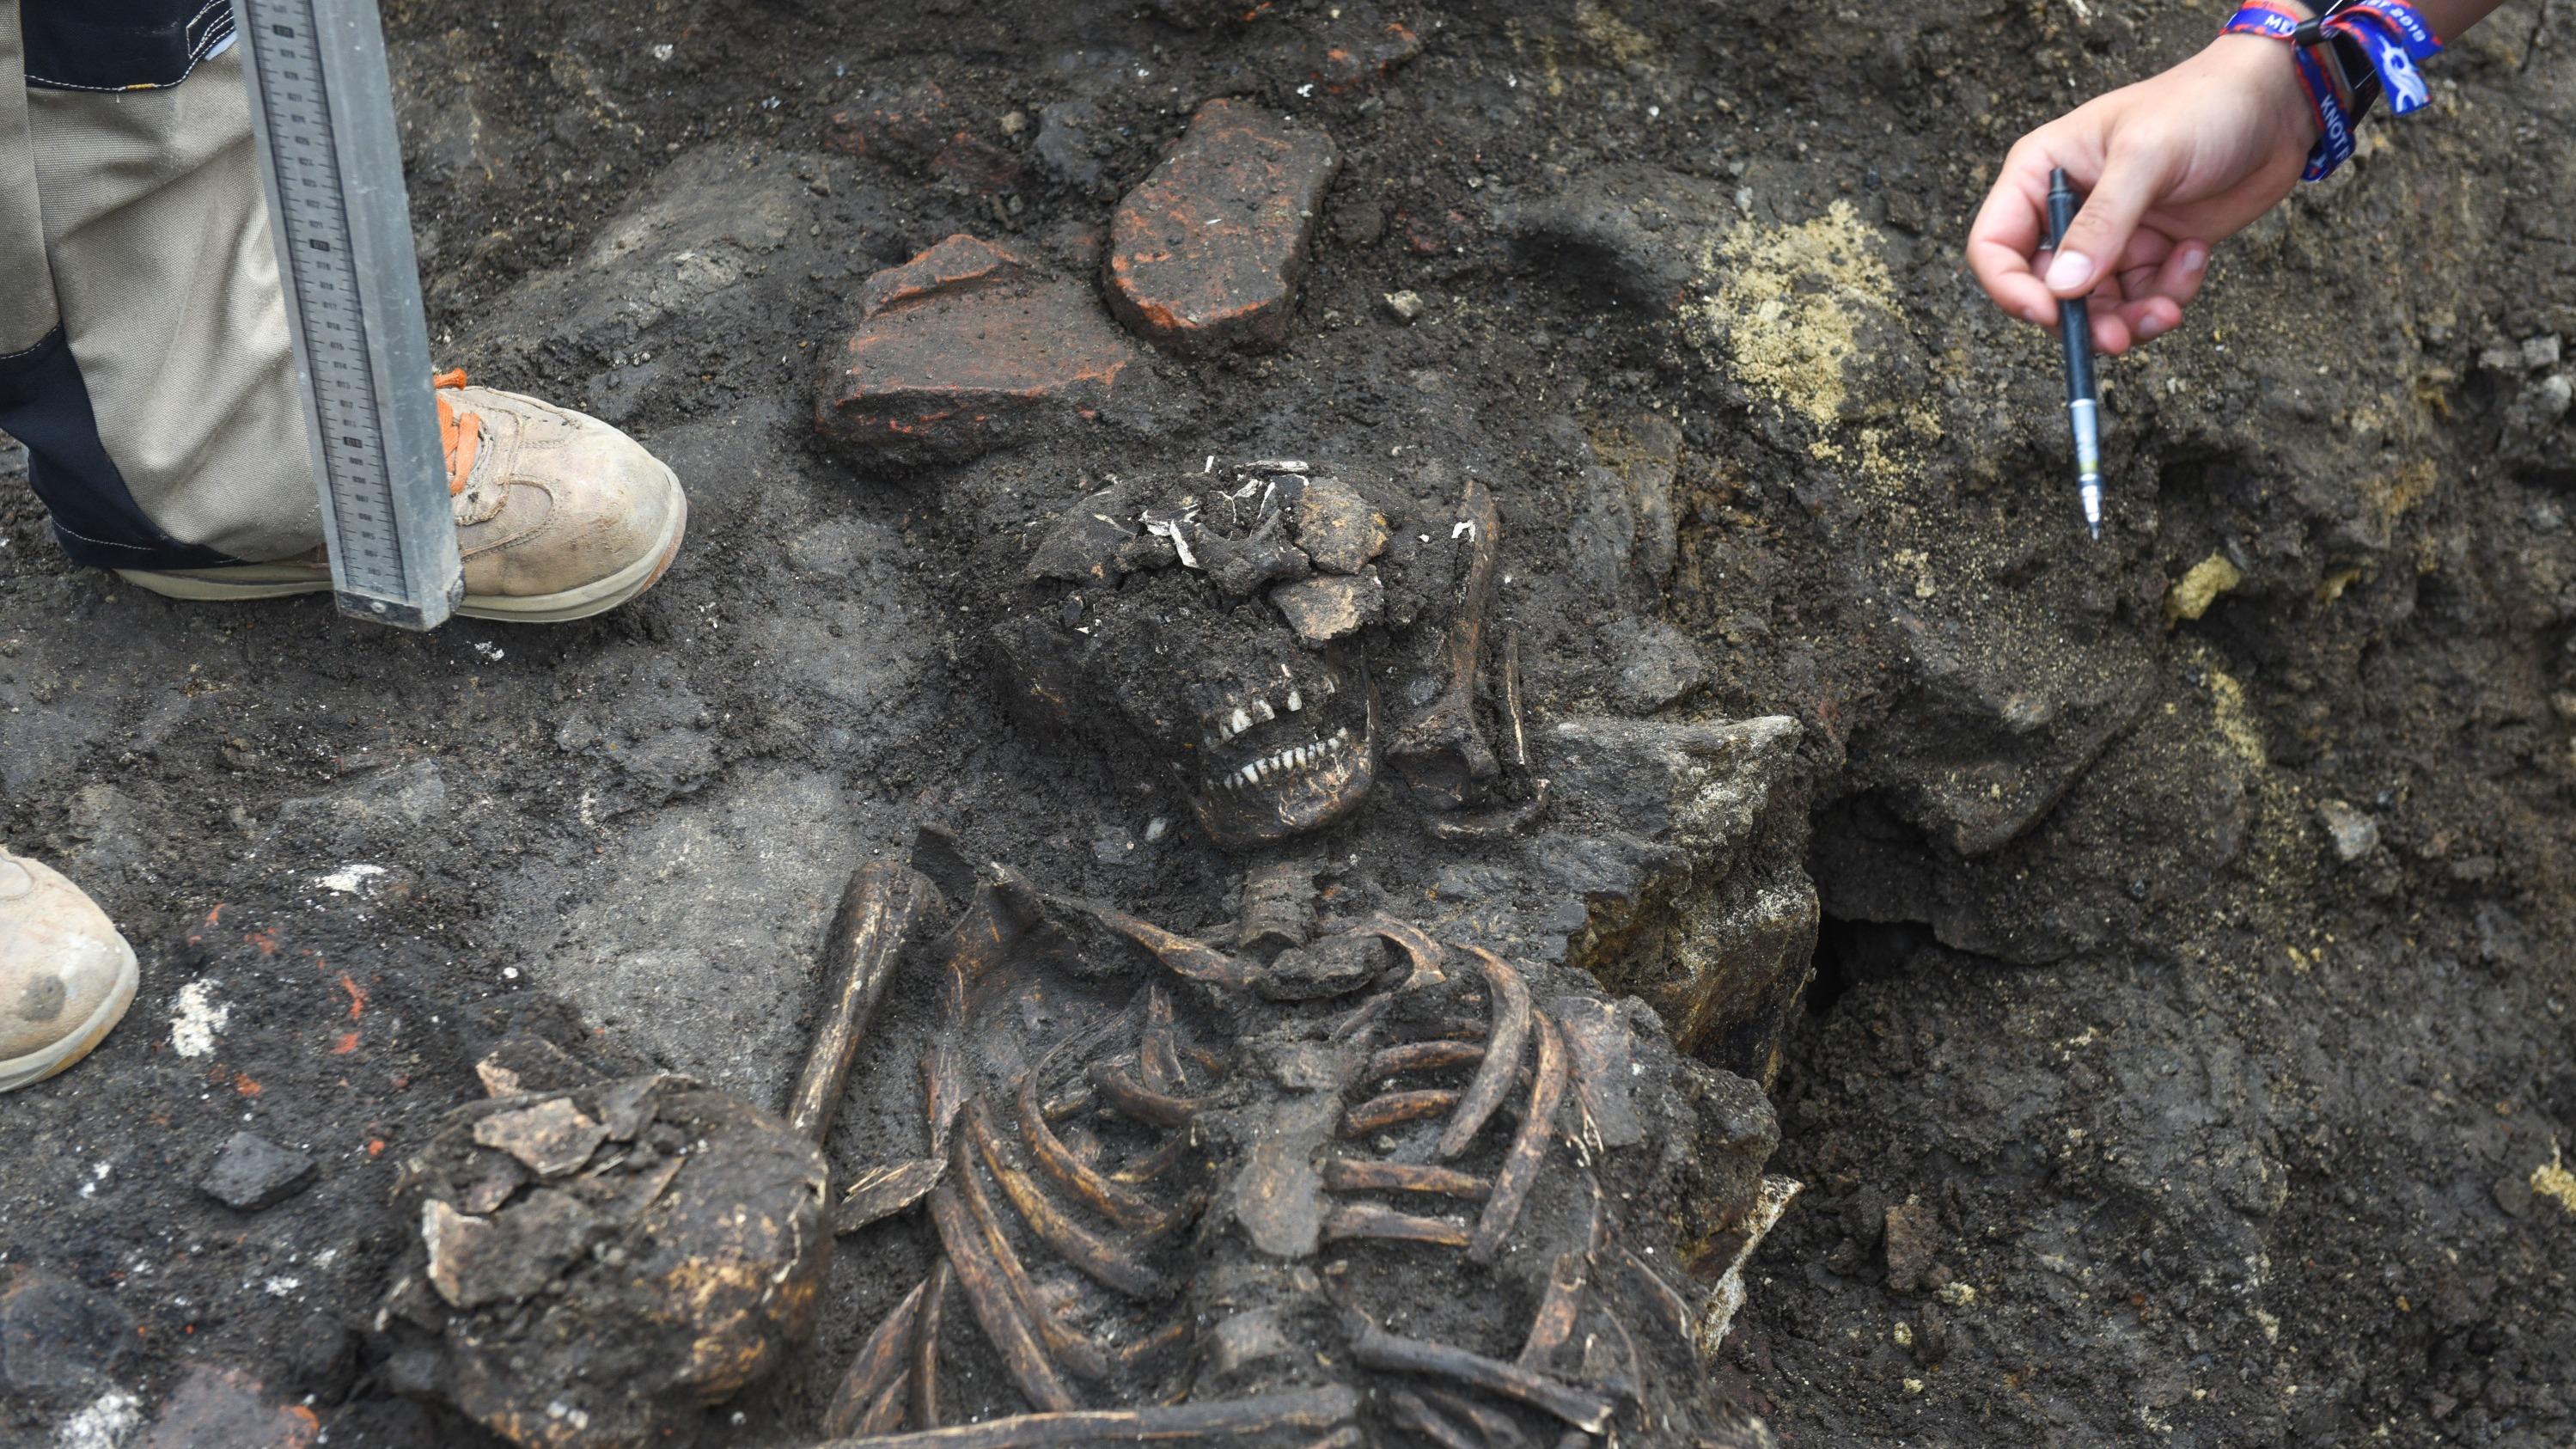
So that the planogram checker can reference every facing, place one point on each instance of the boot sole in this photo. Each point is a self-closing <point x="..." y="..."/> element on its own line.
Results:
<point x="251" y="582"/>
<point x="36" y="1066"/>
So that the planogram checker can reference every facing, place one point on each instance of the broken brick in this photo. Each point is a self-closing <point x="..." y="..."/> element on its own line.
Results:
<point x="965" y="348"/>
<point x="1209" y="250"/>
<point x="915" y="129"/>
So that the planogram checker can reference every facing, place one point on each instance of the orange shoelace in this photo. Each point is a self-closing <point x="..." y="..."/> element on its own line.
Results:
<point x="460" y="433"/>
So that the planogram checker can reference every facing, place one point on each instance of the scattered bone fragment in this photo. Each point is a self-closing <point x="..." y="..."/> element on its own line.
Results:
<point x="549" y="1139"/>
<point x="1337" y="526"/>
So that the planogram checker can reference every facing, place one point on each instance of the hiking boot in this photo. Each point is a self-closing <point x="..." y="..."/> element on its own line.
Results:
<point x="66" y="976"/>
<point x="559" y="516"/>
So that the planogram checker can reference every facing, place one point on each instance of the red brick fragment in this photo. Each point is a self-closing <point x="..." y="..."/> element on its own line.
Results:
<point x="965" y="348"/>
<point x="1209" y="250"/>
<point x="915" y="129"/>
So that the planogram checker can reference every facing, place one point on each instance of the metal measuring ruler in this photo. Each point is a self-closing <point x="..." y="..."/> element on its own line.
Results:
<point x="322" y="115"/>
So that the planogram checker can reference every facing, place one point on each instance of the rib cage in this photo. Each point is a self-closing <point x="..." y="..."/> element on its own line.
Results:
<point x="1174" y="1210"/>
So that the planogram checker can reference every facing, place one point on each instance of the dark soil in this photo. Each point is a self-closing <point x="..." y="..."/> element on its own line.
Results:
<point x="2130" y="1111"/>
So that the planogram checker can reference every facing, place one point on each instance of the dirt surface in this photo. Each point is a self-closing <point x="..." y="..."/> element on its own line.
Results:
<point x="2189" y="1051"/>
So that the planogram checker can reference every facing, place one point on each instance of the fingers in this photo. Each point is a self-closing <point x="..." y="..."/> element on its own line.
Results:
<point x="2008" y="229"/>
<point x="2098" y="239"/>
<point x="2156" y="294"/>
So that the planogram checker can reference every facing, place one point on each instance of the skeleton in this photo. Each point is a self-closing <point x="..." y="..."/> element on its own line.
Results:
<point x="1271" y="635"/>
<point x="1372" y="1189"/>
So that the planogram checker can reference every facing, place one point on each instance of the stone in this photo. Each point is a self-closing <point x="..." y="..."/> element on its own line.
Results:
<point x="221" y="1408"/>
<point x="1329" y="606"/>
<point x="549" y="1139"/>
<point x="914" y="128"/>
<point x="56" y="1334"/>
<point x="1913" y="1236"/>
<point x="1660" y="666"/>
<point x="1070" y="140"/>
<point x="1209" y="250"/>
<point x="2353" y="832"/>
<point x="252" y="1173"/>
<point x="1339" y="529"/>
<point x="1405" y="305"/>
<point x="528" y="1063"/>
<point x="474" y="1261"/>
<point x="964" y="349"/>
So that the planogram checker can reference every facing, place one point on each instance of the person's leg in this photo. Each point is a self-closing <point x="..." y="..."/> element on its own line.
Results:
<point x="66" y="976"/>
<point x="145" y="360"/>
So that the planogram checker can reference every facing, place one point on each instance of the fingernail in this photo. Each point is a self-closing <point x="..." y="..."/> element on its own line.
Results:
<point x="2193" y="259"/>
<point x="2030" y="314"/>
<point x="2069" y="271"/>
<point x="2151" y="327"/>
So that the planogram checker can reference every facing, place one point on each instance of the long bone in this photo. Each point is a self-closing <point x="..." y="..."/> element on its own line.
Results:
<point x="1409" y="1411"/>
<point x="1262" y="1416"/>
<point x="1379" y="1113"/>
<point x="1511" y="1013"/>
<point x="925" y="1346"/>
<point x="1442" y="752"/>
<point x="1424" y="1056"/>
<point x="1368" y="1220"/>
<point x="1495" y="1429"/>
<point x="877" y="913"/>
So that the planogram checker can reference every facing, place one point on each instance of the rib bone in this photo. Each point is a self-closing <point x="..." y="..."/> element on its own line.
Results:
<point x="1529" y="1149"/>
<point x="1511" y="1013"/>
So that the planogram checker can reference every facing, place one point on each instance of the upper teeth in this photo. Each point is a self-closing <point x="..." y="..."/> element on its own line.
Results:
<point x="1262" y="711"/>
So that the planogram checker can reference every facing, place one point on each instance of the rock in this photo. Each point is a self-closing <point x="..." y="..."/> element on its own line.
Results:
<point x="549" y="1139"/>
<point x="1338" y="528"/>
<point x="252" y="1173"/>
<point x="1405" y="305"/>
<point x="2353" y="832"/>
<point x="1209" y="250"/>
<point x="221" y="1408"/>
<point x="963" y="349"/>
<point x="526" y="1063"/>
<point x="1069" y="141"/>
<point x="514" y="1254"/>
<point x="1660" y="667"/>
<point x="56" y="1334"/>
<point x="1913" y="1236"/>
<point x="1329" y="606"/>
<point x="915" y="129"/>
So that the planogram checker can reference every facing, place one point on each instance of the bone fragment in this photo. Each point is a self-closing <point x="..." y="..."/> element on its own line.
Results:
<point x="1496" y="824"/>
<point x="925" y="1347"/>
<point x="1493" y="1427"/>
<point x="1356" y="1174"/>
<point x="1376" y="1348"/>
<point x="1671" y="1309"/>
<point x="1154" y="1164"/>
<point x="1528" y="1150"/>
<point x="943" y="1090"/>
<point x="1112" y="1265"/>
<point x="880" y="1192"/>
<point x="1512" y="698"/>
<point x="1078" y="1354"/>
<point x="876" y="914"/>
<point x="877" y="1364"/>
<point x="1423" y="1056"/>
<point x="1380" y="1113"/>
<point x="1511" y="1013"/>
<point x="1259" y="1417"/>
<point x="1125" y="1096"/>
<point x="1409" y="1411"/>
<point x="1121" y="1205"/>
<point x="1180" y="955"/>
<point x="1429" y="959"/>
<point x="1442" y="752"/>
<point x="1385" y="1224"/>
<point x="886" y="1415"/>
<point x="1558" y="1309"/>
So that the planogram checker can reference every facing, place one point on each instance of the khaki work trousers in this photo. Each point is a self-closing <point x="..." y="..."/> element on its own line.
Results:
<point x="143" y="342"/>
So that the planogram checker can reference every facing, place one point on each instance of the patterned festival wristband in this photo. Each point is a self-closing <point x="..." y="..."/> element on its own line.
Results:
<point x="2388" y="36"/>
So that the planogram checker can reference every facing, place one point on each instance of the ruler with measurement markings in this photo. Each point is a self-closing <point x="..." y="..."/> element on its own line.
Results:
<point x="322" y="116"/>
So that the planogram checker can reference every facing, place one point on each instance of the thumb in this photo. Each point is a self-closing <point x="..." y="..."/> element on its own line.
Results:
<point x="2095" y="239"/>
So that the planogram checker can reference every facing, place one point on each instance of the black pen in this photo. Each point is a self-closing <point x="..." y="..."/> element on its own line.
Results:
<point x="2075" y="330"/>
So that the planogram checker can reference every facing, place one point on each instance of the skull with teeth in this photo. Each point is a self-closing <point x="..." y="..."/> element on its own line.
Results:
<point x="1227" y="624"/>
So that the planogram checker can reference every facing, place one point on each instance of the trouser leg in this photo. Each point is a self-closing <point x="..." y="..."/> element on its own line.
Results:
<point x="143" y="346"/>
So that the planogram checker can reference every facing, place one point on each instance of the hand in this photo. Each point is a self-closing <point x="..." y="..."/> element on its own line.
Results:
<point x="2169" y="166"/>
